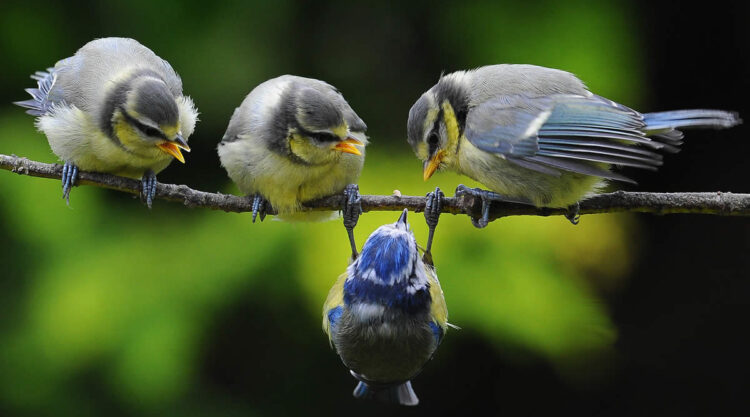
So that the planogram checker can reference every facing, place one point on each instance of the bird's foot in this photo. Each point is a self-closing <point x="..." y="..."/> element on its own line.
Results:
<point x="352" y="210"/>
<point x="260" y="207"/>
<point x="574" y="213"/>
<point x="432" y="208"/>
<point x="487" y="198"/>
<point x="69" y="179"/>
<point x="148" y="188"/>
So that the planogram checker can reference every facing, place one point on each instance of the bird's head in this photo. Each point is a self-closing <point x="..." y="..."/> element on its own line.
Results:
<point x="146" y="118"/>
<point x="388" y="274"/>
<point x="318" y="132"/>
<point x="436" y="124"/>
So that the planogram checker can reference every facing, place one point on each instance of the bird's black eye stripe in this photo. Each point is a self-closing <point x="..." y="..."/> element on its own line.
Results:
<point x="433" y="141"/>
<point x="326" y="137"/>
<point x="146" y="130"/>
<point x="322" y="136"/>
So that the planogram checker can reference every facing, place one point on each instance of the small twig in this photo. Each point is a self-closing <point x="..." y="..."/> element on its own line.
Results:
<point x="717" y="203"/>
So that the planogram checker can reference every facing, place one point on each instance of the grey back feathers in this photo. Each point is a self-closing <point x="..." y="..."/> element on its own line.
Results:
<point x="487" y="83"/>
<point x="87" y="79"/>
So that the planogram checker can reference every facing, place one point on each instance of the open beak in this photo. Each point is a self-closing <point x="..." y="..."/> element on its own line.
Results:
<point x="431" y="165"/>
<point x="173" y="148"/>
<point x="347" y="146"/>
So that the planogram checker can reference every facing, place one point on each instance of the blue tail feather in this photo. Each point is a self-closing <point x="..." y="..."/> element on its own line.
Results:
<point x="402" y="394"/>
<point x="697" y="118"/>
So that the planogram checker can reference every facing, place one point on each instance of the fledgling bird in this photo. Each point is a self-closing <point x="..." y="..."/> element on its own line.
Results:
<point x="293" y="140"/>
<point x="386" y="315"/>
<point x="537" y="136"/>
<point x="113" y="107"/>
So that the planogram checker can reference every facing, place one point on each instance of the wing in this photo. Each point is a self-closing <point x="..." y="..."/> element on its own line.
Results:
<point x="565" y="133"/>
<point x="438" y="309"/>
<point x="333" y="307"/>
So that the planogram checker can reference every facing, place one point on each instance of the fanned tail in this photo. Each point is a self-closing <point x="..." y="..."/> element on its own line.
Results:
<point x="39" y="104"/>
<point x="664" y="125"/>
<point x="401" y="394"/>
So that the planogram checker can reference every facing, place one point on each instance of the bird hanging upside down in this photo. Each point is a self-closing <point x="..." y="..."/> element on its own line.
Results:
<point x="386" y="315"/>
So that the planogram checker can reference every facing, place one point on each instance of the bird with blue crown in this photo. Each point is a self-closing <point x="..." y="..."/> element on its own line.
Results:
<point x="386" y="315"/>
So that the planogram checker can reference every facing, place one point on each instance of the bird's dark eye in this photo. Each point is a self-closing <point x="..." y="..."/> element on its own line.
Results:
<point x="324" y="137"/>
<point x="433" y="139"/>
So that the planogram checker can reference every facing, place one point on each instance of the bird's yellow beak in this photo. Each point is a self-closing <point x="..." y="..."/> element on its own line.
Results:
<point x="347" y="146"/>
<point x="432" y="164"/>
<point x="174" y="149"/>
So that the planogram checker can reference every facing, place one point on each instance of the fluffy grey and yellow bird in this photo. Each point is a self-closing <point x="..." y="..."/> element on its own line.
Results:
<point x="293" y="140"/>
<point x="537" y="136"/>
<point x="113" y="107"/>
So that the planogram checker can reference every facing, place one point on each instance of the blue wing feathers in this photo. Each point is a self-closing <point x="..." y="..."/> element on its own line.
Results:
<point x="580" y="132"/>
<point x="437" y="332"/>
<point x="579" y="167"/>
<point x="334" y="315"/>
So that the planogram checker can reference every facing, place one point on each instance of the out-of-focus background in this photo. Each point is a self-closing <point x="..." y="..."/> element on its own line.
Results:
<point x="107" y="308"/>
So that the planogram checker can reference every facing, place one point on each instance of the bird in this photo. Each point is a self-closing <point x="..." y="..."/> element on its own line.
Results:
<point x="538" y="136"/>
<point x="113" y="107"/>
<point x="386" y="315"/>
<point x="295" y="139"/>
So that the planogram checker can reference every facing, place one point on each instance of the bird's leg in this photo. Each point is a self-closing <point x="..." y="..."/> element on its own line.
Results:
<point x="432" y="207"/>
<point x="260" y="205"/>
<point x="487" y="197"/>
<point x="69" y="178"/>
<point x="351" y="212"/>
<point x="148" y="187"/>
<point x="574" y="213"/>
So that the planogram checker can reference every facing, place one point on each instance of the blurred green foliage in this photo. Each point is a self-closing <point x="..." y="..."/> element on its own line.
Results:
<point x="107" y="285"/>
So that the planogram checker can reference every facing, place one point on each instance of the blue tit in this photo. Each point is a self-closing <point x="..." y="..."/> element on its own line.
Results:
<point x="536" y="135"/>
<point x="113" y="107"/>
<point x="386" y="315"/>
<point x="293" y="140"/>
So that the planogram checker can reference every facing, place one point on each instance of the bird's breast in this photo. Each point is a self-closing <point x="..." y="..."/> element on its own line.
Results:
<point x="393" y="348"/>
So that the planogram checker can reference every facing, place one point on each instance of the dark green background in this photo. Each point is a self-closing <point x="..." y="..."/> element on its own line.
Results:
<point x="107" y="308"/>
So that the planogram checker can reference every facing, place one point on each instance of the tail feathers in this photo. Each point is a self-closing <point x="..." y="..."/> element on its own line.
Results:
<point x="401" y="394"/>
<point x="39" y="104"/>
<point x="698" y="118"/>
<point x="664" y="125"/>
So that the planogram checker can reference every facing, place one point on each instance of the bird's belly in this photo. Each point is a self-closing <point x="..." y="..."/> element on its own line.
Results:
<point x="511" y="180"/>
<point x="286" y="184"/>
<point x="385" y="352"/>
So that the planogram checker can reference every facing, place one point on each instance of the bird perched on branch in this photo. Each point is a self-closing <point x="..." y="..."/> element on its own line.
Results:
<point x="113" y="107"/>
<point x="386" y="315"/>
<point x="537" y="136"/>
<point x="293" y="140"/>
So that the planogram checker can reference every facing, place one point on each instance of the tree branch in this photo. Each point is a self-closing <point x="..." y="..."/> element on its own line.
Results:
<point x="717" y="203"/>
